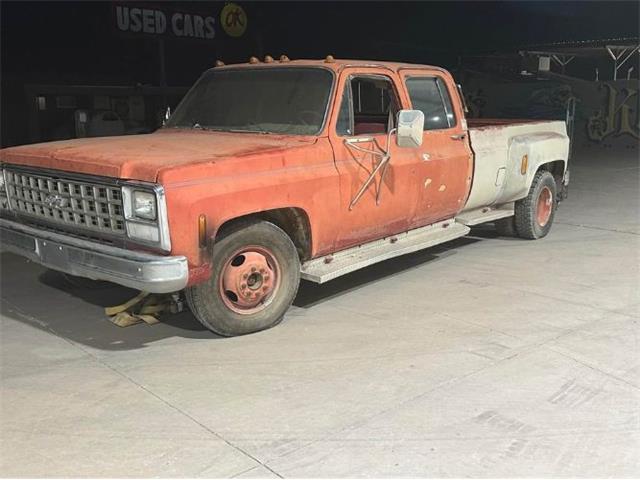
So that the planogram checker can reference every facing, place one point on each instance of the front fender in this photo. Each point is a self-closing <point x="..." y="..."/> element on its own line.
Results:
<point x="242" y="186"/>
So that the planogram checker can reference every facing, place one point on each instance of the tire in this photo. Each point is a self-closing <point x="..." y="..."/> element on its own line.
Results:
<point x="254" y="279"/>
<point x="534" y="214"/>
<point x="506" y="227"/>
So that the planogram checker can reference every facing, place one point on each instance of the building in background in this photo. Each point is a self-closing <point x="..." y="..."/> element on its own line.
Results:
<point x="107" y="68"/>
<point x="596" y="80"/>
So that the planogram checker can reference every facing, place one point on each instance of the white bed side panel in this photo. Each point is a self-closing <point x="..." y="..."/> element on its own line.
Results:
<point x="498" y="153"/>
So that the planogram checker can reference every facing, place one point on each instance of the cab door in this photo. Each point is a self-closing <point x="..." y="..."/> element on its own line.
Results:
<point x="365" y="110"/>
<point x="444" y="161"/>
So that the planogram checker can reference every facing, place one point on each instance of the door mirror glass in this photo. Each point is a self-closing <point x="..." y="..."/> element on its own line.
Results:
<point x="410" y="128"/>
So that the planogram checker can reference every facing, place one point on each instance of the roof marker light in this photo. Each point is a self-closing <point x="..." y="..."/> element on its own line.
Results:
<point x="284" y="58"/>
<point x="329" y="59"/>
<point x="219" y="63"/>
<point x="254" y="60"/>
<point x="268" y="59"/>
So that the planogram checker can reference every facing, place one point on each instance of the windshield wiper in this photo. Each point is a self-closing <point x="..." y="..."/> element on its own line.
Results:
<point x="196" y="126"/>
<point x="241" y="130"/>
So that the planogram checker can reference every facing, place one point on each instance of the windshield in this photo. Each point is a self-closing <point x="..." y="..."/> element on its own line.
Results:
<point x="265" y="100"/>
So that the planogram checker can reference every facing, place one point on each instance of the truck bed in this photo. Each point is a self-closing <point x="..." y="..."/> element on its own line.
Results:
<point x="501" y="172"/>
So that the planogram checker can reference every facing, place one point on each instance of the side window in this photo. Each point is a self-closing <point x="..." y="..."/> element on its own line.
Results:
<point x="369" y="106"/>
<point x="430" y="95"/>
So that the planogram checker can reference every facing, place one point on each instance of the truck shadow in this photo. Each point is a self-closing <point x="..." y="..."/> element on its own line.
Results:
<point x="310" y="294"/>
<point x="60" y="315"/>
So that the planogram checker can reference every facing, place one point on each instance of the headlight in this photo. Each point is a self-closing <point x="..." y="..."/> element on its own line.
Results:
<point x="145" y="214"/>
<point x="144" y="205"/>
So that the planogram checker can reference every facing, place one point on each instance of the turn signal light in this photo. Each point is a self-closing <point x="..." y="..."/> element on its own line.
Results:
<point x="202" y="230"/>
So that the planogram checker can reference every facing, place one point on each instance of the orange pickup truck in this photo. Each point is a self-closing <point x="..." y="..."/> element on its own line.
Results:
<point x="269" y="172"/>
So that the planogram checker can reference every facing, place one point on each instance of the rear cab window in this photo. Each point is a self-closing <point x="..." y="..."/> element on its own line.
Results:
<point x="430" y="95"/>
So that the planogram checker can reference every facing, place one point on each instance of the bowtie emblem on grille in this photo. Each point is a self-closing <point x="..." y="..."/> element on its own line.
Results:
<point x="55" y="201"/>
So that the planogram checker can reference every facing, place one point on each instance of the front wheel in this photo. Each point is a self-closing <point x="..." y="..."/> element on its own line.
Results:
<point x="254" y="279"/>
<point x="534" y="214"/>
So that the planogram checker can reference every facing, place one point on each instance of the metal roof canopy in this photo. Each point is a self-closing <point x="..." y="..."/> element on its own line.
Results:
<point x="619" y="49"/>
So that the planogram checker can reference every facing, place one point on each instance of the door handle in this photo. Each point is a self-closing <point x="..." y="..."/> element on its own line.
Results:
<point x="460" y="136"/>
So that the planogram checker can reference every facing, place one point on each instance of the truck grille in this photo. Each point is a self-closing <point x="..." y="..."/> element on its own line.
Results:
<point x="66" y="202"/>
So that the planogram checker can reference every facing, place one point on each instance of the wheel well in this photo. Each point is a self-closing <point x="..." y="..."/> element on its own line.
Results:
<point x="294" y="222"/>
<point x="557" y="170"/>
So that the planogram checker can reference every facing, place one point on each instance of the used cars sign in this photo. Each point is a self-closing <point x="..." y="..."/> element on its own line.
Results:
<point x="156" y="21"/>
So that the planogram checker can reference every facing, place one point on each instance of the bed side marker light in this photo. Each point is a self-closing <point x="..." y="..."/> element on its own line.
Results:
<point x="524" y="164"/>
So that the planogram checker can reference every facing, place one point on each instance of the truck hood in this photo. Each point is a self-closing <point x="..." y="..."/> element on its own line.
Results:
<point x="142" y="157"/>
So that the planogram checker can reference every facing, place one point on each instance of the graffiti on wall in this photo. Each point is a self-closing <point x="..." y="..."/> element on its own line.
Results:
<point x="620" y="115"/>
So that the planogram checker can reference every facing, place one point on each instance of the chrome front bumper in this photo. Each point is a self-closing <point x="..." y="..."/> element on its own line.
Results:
<point x="142" y="271"/>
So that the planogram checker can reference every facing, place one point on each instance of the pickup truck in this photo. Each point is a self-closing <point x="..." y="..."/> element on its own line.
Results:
<point x="276" y="170"/>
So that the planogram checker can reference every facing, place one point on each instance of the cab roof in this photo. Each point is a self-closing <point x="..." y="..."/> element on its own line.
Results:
<point x="331" y="63"/>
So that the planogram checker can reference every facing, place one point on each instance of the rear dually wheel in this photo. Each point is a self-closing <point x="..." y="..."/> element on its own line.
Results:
<point x="534" y="214"/>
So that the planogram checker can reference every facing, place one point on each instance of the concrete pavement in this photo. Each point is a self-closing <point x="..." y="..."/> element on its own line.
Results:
<point x="485" y="357"/>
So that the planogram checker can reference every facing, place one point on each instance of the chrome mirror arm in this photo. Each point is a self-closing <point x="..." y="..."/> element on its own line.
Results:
<point x="368" y="181"/>
<point x="380" y="167"/>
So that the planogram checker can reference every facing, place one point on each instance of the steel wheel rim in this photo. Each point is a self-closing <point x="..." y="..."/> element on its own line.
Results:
<point x="250" y="280"/>
<point x="545" y="206"/>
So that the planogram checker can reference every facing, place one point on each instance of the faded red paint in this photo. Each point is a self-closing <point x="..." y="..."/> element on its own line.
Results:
<point x="246" y="287"/>
<point x="544" y="206"/>
<point x="228" y="175"/>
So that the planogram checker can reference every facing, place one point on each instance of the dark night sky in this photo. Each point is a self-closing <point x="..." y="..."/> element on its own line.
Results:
<point x="72" y="42"/>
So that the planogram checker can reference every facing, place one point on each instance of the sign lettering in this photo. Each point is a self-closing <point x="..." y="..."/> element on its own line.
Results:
<point x="177" y="24"/>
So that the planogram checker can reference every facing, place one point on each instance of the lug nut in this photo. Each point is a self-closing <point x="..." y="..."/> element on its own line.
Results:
<point x="243" y="286"/>
<point x="245" y="276"/>
<point x="253" y="269"/>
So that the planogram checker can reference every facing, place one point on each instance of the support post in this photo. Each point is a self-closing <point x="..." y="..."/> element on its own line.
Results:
<point x="620" y="55"/>
<point x="562" y="60"/>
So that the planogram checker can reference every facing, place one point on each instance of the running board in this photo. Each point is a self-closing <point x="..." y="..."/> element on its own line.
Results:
<point x="327" y="268"/>
<point x="486" y="214"/>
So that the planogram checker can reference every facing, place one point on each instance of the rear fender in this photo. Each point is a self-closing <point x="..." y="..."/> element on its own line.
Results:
<point x="528" y="154"/>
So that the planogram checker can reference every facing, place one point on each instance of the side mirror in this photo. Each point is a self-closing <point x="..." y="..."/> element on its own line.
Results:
<point x="410" y="128"/>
